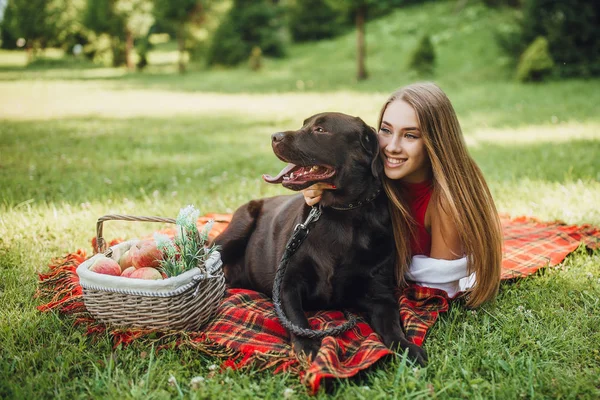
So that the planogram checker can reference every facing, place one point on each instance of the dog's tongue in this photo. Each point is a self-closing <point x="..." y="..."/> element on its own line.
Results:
<point x="279" y="177"/>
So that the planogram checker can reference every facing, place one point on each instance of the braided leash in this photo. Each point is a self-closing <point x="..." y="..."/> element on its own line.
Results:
<point x="300" y="233"/>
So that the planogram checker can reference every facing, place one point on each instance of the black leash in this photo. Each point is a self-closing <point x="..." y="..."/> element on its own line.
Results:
<point x="300" y="233"/>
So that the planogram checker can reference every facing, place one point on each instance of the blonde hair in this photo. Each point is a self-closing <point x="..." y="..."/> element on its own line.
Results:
<point x="458" y="186"/>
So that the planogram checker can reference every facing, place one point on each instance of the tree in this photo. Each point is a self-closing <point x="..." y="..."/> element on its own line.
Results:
<point x="70" y="29"/>
<point x="571" y="28"/>
<point x="247" y="25"/>
<point x="422" y="58"/>
<point x="101" y="17"/>
<point x="360" y="9"/>
<point x="179" y="13"/>
<point x="311" y="20"/>
<point x="9" y="40"/>
<point x="138" y="18"/>
<point x="31" y="20"/>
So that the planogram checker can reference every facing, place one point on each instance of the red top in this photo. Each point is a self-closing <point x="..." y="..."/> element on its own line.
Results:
<point x="417" y="196"/>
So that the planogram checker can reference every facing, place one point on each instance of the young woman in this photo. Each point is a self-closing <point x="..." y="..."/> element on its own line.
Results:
<point x="446" y="227"/>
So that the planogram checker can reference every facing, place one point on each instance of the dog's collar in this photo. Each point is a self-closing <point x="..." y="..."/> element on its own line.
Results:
<point x="359" y="203"/>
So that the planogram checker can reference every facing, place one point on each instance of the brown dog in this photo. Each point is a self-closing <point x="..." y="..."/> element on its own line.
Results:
<point x="347" y="259"/>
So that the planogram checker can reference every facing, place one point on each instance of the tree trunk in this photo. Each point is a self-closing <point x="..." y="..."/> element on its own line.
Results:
<point x="460" y="5"/>
<point x="181" y="47"/>
<point x="30" y="54"/>
<point x="129" y="50"/>
<point x="360" y="43"/>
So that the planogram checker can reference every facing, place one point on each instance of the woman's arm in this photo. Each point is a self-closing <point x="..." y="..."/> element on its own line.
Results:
<point x="445" y="240"/>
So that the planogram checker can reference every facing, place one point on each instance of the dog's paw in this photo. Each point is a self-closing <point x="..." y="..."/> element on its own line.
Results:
<point x="306" y="347"/>
<point x="416" y="353"/>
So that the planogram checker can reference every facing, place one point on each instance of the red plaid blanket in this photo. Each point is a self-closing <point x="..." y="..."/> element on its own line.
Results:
<point x="530" y="244"/>
<point x="246" y="330"/>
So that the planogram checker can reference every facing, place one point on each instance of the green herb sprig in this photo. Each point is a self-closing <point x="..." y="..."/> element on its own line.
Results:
<point x="188" y="248"/>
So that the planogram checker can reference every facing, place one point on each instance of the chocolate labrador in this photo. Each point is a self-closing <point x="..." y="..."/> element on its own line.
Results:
<point x="347" y="259"/>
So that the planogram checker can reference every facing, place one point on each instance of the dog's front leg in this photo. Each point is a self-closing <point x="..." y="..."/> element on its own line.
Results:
<point x="382" y="312"/>
<point x="291" y="299"/>
<point x="385" y="320"/>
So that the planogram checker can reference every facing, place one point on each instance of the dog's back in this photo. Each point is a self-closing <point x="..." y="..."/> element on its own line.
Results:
<point x="338" y="256"/>
<point x="347" y="259"/>
<point x="344" y="150"/>
<point x="254" y="242"/>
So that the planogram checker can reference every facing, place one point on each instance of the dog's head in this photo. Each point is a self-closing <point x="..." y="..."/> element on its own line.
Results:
<point x="330" y="147"/>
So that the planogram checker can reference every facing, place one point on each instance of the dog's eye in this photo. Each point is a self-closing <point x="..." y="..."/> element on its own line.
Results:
<point x="319" y="129"/>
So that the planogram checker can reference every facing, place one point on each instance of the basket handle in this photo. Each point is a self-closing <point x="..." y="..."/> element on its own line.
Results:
<point x="101" y="243"/>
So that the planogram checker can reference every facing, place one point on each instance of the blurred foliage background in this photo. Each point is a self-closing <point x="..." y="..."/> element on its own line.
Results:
<point x="541" y="39"/>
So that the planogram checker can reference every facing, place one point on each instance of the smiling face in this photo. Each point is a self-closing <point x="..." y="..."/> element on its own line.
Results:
<point x="401" y="143"/>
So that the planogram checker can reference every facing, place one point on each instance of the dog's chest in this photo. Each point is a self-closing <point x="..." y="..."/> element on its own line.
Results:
<point x="345" y="259"/>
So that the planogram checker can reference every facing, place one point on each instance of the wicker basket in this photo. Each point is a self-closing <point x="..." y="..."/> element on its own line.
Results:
<point x="183" y="302"/>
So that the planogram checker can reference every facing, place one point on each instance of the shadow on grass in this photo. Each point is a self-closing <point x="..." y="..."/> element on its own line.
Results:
<point x="86" y="160"/>
<point x="82" y="160"/>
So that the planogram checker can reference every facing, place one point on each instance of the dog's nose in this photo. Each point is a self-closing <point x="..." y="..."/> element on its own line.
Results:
<point x="277" y="137"/>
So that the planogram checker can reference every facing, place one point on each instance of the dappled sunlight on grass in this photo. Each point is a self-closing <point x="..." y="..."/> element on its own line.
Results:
<point x="13" y="58"/>
<point x="219" y="160"/>
<point x="164" y="57"/>
<point x="98" y="142"/>
<point x="555" y="133"/>
<point x="66" y="72"/>
<point x="88" y="160"/>
<point x="552" y="162"/>
<point x="536" y="113"/>
<point x="54" y="100"/>
<point x="18" y="58"/>
<point x="574" y="202"/>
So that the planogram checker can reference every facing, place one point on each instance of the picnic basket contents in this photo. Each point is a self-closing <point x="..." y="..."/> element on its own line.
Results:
<point x="173" y="283"/>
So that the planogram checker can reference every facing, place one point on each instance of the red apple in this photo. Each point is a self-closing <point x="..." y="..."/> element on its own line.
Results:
<point x="125" y="260"/>
<point x="146" y="273"/>
<point x="145" y="254"/>
<point x="107" y="266"/>
<point x="127" y="272"/>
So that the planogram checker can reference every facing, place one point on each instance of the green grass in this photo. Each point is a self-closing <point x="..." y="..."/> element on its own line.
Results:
<point x="79" y="141"/>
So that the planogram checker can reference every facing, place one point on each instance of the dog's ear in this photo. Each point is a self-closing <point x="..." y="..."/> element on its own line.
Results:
<point x="368" y="140"/>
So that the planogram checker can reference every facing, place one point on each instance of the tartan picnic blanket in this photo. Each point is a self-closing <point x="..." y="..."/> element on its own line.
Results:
<point x="247" y="332"/>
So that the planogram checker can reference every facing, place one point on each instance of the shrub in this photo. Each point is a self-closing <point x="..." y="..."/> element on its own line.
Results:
<point x="255" y="60"/>
<point x="422" y="59"/>
<point x="571" y="28"/>
<point x="536" y="62"/>
<point x="248" y="24"/>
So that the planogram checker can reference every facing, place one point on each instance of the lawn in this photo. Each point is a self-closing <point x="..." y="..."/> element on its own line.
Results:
<point x="77" y="142"/>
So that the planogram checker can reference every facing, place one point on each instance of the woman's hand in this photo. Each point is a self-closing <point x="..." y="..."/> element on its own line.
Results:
<point x="312" y="194"/>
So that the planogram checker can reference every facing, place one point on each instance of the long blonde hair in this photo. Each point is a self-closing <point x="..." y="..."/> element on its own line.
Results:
<point x="458" y="186"/>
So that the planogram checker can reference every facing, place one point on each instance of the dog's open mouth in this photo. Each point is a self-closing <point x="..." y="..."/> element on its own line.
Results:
<point x="298" y="177"/>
